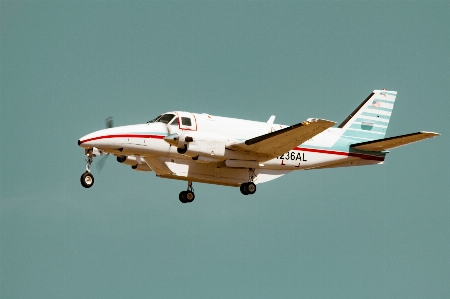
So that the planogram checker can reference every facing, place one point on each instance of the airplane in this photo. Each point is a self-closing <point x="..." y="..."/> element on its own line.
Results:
<point x="211" y="149"/>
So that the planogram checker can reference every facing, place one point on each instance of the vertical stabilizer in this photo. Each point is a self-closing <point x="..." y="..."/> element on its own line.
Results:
<point x="369" y="121"/>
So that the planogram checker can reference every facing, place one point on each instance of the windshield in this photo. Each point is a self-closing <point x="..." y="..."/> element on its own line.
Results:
<point x="165" y="118"/>
<point x="154" y="120"/>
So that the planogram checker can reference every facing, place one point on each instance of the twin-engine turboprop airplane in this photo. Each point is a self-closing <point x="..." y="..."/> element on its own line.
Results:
<point x="242" y="153"/>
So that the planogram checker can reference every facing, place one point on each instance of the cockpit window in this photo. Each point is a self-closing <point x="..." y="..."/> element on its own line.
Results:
<point x="174" y="122"/>
<point x="154" y="120"/>
<point x="165" y="118"/>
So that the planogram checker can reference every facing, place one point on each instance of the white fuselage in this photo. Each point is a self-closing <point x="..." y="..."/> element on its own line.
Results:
<point x="212" y="135"/>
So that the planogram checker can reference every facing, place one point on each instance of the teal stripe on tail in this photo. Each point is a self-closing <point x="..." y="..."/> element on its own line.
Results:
<point x="369" y="121"/>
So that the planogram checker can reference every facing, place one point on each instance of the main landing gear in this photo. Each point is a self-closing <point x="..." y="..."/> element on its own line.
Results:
<point x="87" y="179"/>
<point x="188" y="195"/>
<point x="250" y="187"/>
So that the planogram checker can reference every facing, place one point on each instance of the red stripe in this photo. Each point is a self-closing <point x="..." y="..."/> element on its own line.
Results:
<point x="362" y="156"/>
<point x="312" y="150"/>
<point x="123" y="135"/>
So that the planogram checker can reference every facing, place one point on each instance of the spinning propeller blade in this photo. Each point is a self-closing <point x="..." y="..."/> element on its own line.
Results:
<point x="101" y="162"/>
<point x="109" y="123"/>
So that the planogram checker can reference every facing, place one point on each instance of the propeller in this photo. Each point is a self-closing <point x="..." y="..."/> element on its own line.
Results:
<point x="101" y="162"/>
<point x="109" y="123"/>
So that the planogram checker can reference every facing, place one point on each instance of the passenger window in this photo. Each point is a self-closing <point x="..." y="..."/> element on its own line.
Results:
<point x="186" y="121"/>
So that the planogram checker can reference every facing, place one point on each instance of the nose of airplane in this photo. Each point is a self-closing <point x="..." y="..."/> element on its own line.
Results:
<point x="110" y="137"/>
<point x="96" y="139"/>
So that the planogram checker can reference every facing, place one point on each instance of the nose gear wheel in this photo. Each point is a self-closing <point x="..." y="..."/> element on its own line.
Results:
<point x="87" y="179"/>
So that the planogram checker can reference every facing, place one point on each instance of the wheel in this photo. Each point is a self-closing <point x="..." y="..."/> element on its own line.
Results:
<point x="243" y="188"/>
<point x="182" y="150"/>
<point x="182" y="197"/>
<point x="190" y="196"/>
<point x="87" y="180"/>
<point x="251" y="188"/>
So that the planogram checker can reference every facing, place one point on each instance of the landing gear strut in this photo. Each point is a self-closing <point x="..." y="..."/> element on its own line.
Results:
<point x="87" y="179"/>
<point x="188" y="195"/>
<point x="250" y="187"/>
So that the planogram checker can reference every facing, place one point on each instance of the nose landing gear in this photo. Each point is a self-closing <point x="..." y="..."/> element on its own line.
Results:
<point x="87" y="179"/>
<point x="188" y="195"/>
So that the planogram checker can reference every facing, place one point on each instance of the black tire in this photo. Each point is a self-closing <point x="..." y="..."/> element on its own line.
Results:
<point x="190" y="196"/>
<point x="243" y="188"/>
<point x="87" y="180"/>
<point x="182" y="197"/>
<point x="182" y="150"/>
<point x="121" y="159"/>
<point x="251" y="188"/>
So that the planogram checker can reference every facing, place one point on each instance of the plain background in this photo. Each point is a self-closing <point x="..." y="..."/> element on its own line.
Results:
<point x="369" y="232"/>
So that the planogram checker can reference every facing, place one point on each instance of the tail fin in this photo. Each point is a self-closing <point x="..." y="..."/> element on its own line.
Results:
<point x="369" y="121"/>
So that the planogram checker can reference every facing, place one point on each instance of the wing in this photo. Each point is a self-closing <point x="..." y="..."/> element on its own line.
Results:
<point x="393" y="142"/>
<point x="274" y="144"/>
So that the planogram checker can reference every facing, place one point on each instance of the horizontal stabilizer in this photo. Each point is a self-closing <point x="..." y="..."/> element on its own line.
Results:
<point x="392" y="142"/>
<point x="279" y="142"/>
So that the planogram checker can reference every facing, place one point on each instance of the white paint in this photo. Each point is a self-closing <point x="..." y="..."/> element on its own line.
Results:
<point x="216" y="151"/>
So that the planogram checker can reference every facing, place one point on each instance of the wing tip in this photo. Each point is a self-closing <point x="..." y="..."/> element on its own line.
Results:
<point x="431" y="134"/>
<point x="321" y="120"/>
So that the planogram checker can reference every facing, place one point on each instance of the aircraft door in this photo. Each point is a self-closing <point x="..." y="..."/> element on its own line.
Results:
<point x="187" y="121"/>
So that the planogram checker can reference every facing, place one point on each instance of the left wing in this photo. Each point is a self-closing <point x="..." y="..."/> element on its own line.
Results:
<point x="274" y="144"/>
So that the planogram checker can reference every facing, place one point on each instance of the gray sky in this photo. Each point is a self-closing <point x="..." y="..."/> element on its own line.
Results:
<point x="362" y="232"/>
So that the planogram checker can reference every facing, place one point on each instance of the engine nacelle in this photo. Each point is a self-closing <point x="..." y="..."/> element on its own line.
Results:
<point x="194" y="143"/>
<point x="121" y="159"/>
<point x="127" y="160"/>
<point x="130" y="160"/>
<point x="141" y="167"/>
<point x="205" y="148"/>
<point x="178" y="139"/>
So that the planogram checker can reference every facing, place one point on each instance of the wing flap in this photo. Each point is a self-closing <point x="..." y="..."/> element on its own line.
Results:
<point x="393" y="142"/>
<point x="279" y="142"/>
<point x="158" y="166"/>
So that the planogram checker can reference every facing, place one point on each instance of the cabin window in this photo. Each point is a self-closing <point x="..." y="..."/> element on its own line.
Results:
<point x="174" y="122"/>
<point x="186" y="121"/>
